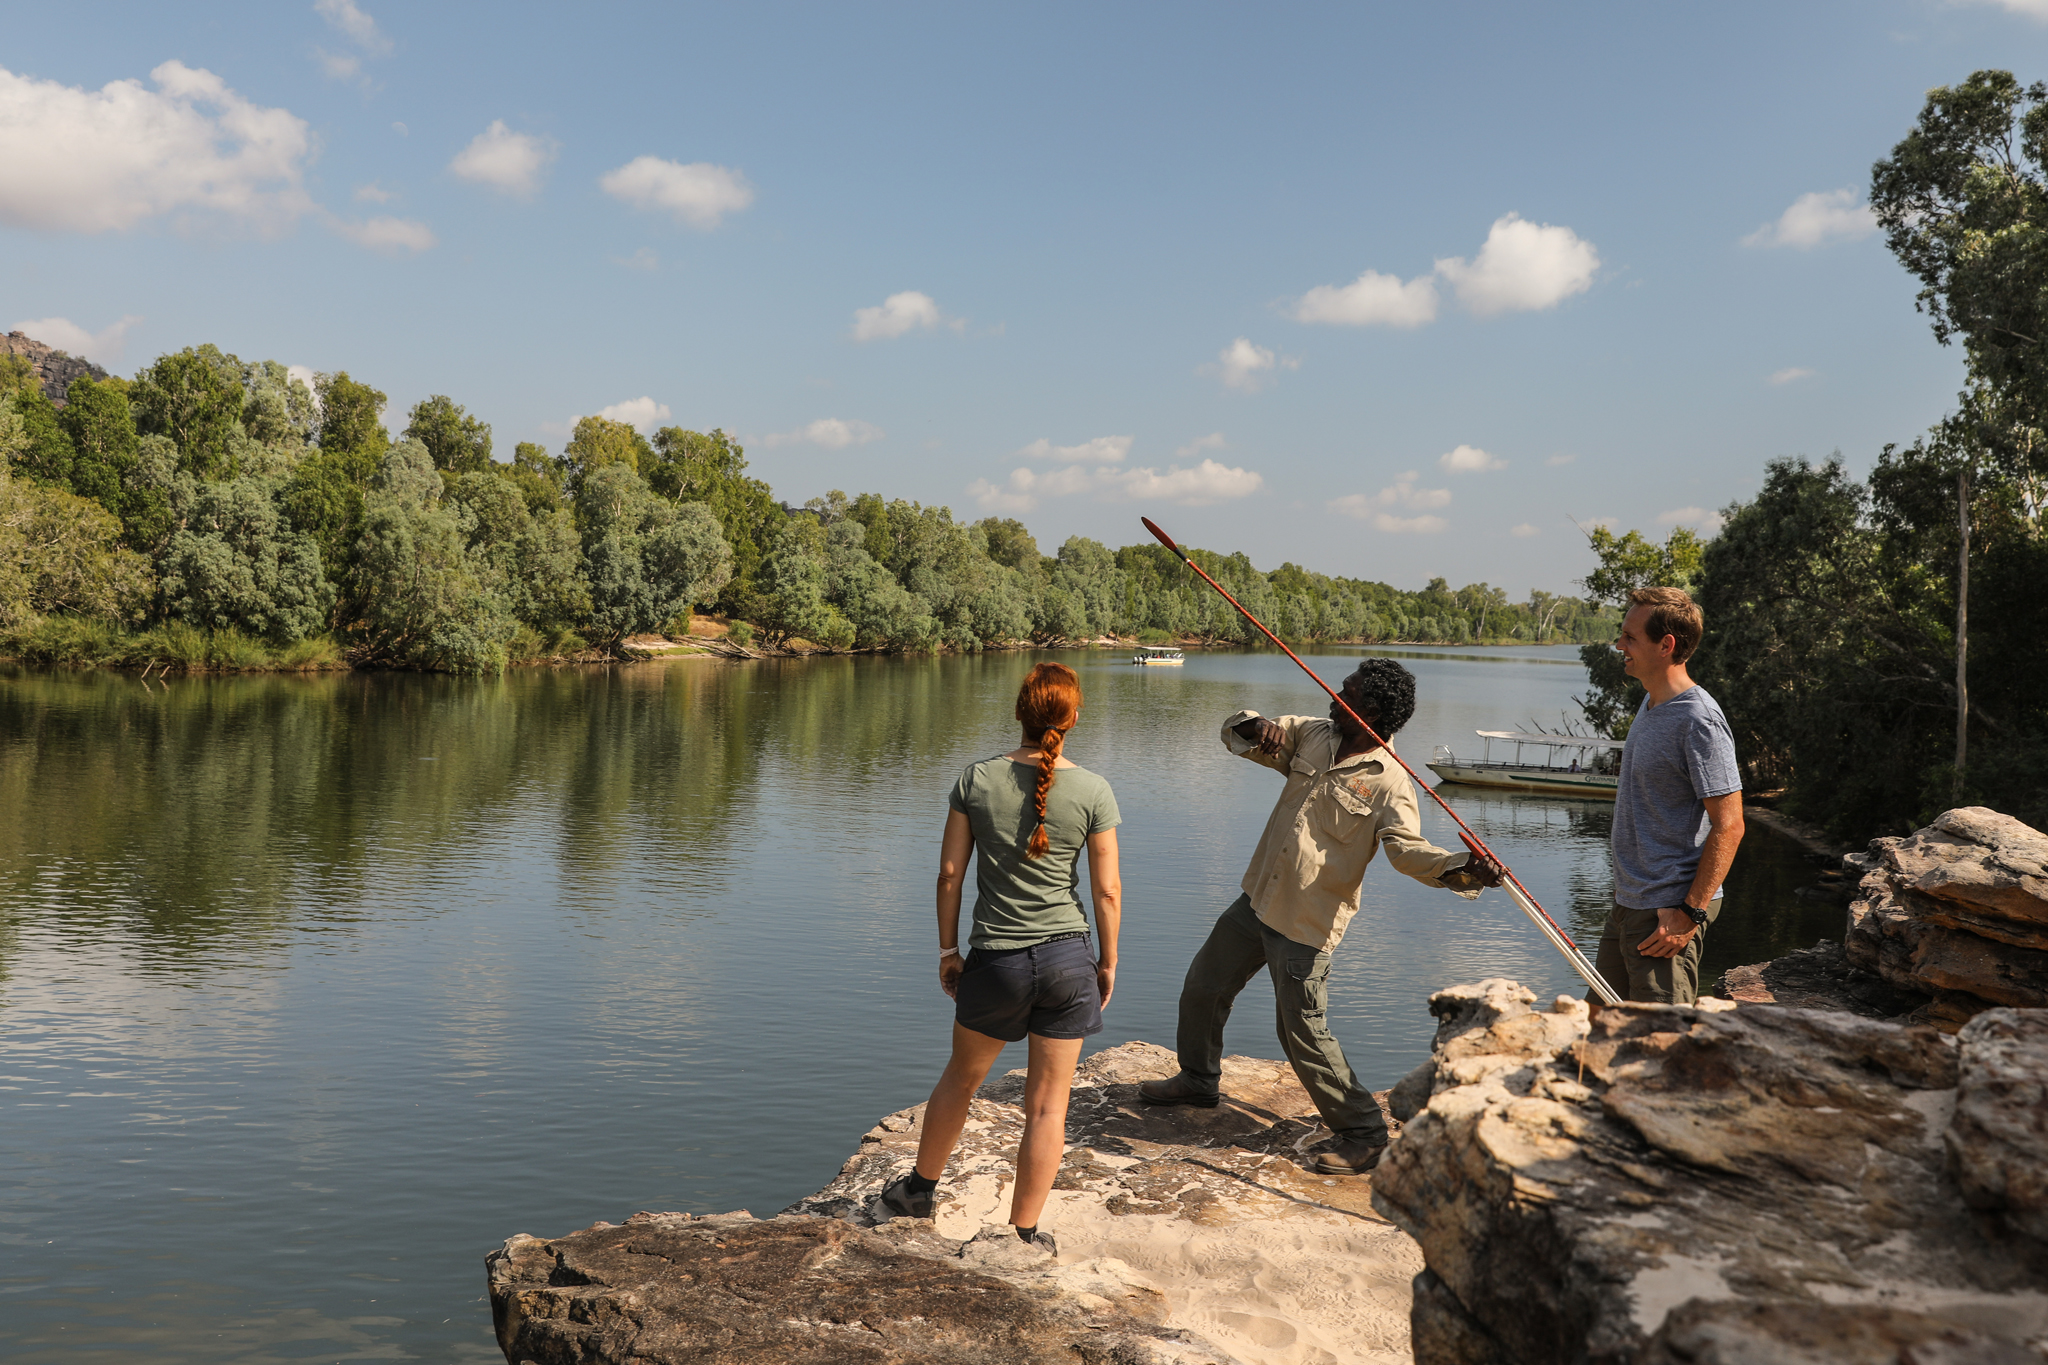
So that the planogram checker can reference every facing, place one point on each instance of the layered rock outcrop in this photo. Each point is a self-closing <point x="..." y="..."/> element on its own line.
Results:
<point x="56" y="369"/>
<point x="1720" y="1184"/>
<point x="1184" y="1235"/>
<point x="1957" y="911"/>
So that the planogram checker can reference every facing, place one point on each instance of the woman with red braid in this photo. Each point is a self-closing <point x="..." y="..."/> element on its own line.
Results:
<point x="1032" y="971"/>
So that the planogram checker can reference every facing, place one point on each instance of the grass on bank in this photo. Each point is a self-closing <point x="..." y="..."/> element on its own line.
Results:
<point x="88" y="642"/>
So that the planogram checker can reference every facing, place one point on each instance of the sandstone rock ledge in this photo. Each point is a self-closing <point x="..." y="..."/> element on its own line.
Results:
<point x="1186" y="1235"/>
<point x="1717" y="1184"/>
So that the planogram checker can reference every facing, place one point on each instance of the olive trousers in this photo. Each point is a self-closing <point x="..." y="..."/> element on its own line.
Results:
<point x="1236" y="949"/>
<point x="1649" y="980"/>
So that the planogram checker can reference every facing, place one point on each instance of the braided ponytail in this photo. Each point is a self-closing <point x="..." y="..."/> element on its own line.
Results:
<point x="1049" y="747"/>
<point x="1048" y="704"/>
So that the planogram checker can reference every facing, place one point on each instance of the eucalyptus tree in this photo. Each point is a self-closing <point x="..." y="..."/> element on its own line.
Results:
<point x="1963" y="200"/>
<point x="646" y="559"/>
<point x="456" y="442"/>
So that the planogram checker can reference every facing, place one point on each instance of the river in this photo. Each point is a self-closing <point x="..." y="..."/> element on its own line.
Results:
<point x="312" y="990"/>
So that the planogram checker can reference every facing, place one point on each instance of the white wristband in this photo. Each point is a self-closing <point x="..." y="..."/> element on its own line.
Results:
<point x="945" y="953"/>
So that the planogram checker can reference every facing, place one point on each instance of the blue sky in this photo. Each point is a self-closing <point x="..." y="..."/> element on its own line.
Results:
<point x="1616" y="253"/>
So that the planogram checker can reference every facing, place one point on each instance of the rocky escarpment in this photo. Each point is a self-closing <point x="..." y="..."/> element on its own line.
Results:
<point x="1957" y="911"/>
<point x="1184" y="1235"/>
<point x="670" y="1287"/>
<point x="56" y="369"/>
<point x="1716" y="1184"/>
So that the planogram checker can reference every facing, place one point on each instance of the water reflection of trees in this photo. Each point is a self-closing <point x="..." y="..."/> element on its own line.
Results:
<point x="228" y="807"/>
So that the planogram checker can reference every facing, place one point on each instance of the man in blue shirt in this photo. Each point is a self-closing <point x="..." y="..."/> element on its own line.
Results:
<point x="1677" y="810"/>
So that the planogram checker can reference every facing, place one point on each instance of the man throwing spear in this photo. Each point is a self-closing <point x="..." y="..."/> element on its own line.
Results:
<point x="1343" y="799"/>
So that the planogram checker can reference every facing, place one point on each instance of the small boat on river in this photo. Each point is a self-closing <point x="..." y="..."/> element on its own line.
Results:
<point x="1158" y="654"/>
<point x="1573" y="765"/>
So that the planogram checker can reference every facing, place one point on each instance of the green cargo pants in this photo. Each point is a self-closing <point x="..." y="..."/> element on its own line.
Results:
<point x="1237" y="947"/>
<point x="1649" y="980"/>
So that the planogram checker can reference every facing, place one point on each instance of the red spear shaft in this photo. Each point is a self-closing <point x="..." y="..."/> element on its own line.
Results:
<point x="1516" y="891"/>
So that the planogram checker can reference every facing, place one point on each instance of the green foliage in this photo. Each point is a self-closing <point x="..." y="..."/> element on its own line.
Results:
<point x="60" y="554"/>
<point x="423" y="593"/>
<point x="47" y="455"/>
<point x="538" y="555"/>
<point x="86" y="641"/>
<point x="348" y="416"/>
<point x="881" y="611"/>
<point x="792" y="584"/>
<point x="1964" y="204"/>
<point x="711" y="468"/>
<point x="598" y="443"/>
<point x="194" y="400"/>
<point x="645" y="558"/>
<point x="539" y="477"/>
<point x="235" y="563"/>
<point x="101" y="428"/>
<point x="456" y="442"/>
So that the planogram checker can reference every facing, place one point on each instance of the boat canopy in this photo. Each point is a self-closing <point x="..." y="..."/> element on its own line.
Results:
<point x="1554" y="741"/>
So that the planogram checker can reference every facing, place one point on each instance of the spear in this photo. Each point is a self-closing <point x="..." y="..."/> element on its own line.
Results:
<point x="1517" y="892"/>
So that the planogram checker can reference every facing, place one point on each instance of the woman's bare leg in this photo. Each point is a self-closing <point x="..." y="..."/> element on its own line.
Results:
<point x="945" y="1114"/>
<point x="1046" y="1086"/>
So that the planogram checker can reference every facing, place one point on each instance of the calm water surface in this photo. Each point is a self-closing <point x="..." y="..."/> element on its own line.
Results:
<point x="314" y="990"/>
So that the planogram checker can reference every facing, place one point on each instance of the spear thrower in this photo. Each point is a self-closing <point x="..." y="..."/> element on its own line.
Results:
<point x="1518" y="893"/>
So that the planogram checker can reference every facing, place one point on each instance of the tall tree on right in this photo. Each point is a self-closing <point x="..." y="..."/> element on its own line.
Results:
<point x="1963" y="200"/>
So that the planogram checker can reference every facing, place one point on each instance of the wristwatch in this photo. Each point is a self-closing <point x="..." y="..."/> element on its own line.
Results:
<point x="1698" y="917"/>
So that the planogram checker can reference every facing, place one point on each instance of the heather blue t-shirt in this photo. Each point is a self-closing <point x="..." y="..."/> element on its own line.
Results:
<point x="1677" y="755"/>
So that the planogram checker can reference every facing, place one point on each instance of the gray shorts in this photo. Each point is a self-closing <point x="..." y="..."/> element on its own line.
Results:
<point x="1049" y="990"/>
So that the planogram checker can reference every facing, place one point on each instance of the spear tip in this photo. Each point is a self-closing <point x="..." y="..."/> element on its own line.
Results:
<point x="1164" y="539"/>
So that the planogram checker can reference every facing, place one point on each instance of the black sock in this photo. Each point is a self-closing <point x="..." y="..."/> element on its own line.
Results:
<point x="919" y="1185"/>
<point x="1025" y="1234"/>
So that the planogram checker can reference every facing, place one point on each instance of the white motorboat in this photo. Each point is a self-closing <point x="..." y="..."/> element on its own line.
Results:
<point x="1573" y="765"/>
<point x="1158" y="654"/>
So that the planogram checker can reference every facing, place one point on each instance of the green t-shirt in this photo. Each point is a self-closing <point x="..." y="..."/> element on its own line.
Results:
<point x="1019" y="900"/>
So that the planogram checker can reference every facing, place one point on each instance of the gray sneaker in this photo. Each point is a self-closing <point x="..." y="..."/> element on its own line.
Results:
<point x="1349" y="1156"/>
<point x="1044" y="1242"/>
<point x="902" y="1202"/>
<point x="1179" y="1089"/>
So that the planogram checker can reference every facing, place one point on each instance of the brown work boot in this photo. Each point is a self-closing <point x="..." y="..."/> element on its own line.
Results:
<point x="1349" y="1156"/>
<point x="1179" y="1089"/>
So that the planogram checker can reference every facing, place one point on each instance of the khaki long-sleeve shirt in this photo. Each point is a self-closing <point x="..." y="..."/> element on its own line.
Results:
<point x="1331" y="818"/>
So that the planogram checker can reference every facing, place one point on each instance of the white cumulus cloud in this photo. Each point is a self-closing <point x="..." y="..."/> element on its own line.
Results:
<point x="1101" y="450"/>
<point x="348" y="18"/>
<point x="2031" y="9"/>
<point x="912" y="310"/>
<point x="1789" y="375"/>
<point x="1213" y="441"/>
<point x="77" y="160"/>
<point x="1522" y="267"/>
<point x="1244" y="366"/>
<point x="374" y="193"/>
<point x="1557" y="460"/>
<point x="511" y="163"/>
<point x="1206" y="483"/>
<point x="1526" y="529"/>
<point x="638" y="413"/>
<point x="102" y="347"/>
<point x="1370" y="300"/>
<point x="1816" y="219"/>
<point x="832" y="433"/>
<point x="699" y="193"/>
<point x="1470" y="460"/>
<point x="1198" y="486"/>
<point x="1697" y="517"/>
<point x="392" y="236"/>
<point x="1382" y="508"/>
